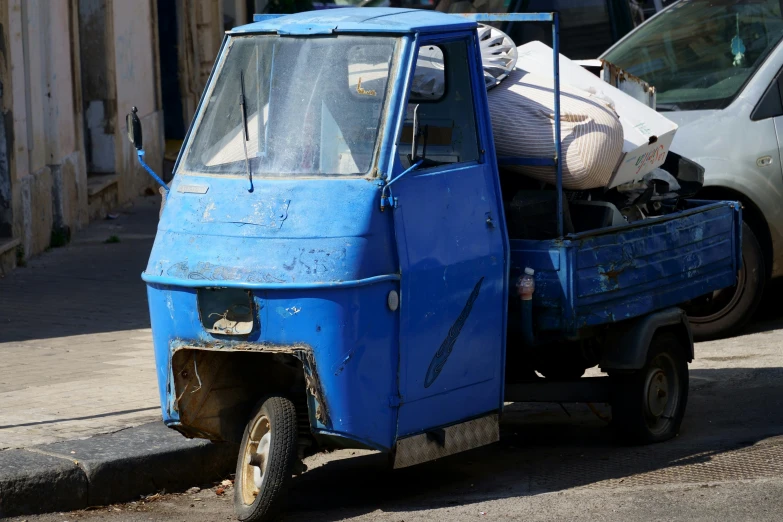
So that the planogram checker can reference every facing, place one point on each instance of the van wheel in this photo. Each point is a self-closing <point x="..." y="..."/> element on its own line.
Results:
<point x="648" y="405"/>
<point x="725" y="312"/>
<point x="266" y="459"/>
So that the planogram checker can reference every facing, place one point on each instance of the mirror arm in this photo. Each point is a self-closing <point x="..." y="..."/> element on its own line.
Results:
<point x="140" y="155"/>
<point x="134" y="135"/>
<point x="385" y="201"/>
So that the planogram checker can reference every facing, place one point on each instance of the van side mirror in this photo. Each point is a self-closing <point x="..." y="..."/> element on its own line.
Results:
<point x="134" y="128"/>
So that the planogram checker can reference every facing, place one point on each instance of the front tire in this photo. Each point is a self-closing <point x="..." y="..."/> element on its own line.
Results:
<point x="266" y="459"/>
<point x="648" y="405"/>
<point x="726" y="312"/>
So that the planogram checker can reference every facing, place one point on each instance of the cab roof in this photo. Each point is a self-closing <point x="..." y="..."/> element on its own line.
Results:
<point x="358" y="20"/>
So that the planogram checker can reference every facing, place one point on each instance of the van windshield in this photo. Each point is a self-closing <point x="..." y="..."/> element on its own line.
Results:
<point x="313" y="107"/>
<point x="699" y="53"/>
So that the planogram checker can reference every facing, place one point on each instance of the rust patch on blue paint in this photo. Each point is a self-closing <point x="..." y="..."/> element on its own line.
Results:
<point x="611" y="274"/>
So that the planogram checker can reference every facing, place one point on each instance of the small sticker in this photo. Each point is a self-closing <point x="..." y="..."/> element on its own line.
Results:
<point x="193" y="189"/>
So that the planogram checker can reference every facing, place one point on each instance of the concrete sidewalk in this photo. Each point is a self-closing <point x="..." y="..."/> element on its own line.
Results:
<point x="76" y="361"/>
<point x="75" y="345"/>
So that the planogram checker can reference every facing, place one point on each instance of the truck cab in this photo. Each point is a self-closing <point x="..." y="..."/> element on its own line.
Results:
<point x="302" y="215"/>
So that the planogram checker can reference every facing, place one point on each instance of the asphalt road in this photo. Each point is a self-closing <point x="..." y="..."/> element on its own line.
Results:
<point x="556" y="464"/>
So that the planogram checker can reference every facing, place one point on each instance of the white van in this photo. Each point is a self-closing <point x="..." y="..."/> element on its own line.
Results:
<point x="716" y="66"/>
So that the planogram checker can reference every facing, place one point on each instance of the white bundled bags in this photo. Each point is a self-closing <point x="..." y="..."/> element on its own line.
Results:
<point x="521" y="108"/>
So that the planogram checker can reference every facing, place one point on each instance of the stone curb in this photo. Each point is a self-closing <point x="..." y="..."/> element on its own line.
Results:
<point x="106" y="469"/>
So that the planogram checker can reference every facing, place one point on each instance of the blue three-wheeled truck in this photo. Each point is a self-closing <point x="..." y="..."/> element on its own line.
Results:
<point x="334" y="266"/>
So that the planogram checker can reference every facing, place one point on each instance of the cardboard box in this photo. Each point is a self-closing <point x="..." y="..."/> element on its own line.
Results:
<point x="647" y="135"/>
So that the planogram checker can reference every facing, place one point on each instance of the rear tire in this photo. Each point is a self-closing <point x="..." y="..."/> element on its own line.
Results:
<point x="726" y="312"/>
<point x="266" y="459"/>
<point x="648" y="405"/>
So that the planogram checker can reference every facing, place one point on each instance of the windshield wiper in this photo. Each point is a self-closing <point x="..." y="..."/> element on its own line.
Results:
<point x="245" y="135"/>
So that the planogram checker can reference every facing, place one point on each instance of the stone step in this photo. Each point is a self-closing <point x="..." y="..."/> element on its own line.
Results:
<point x="102" y="194"/>
<point x="8" y="254"/>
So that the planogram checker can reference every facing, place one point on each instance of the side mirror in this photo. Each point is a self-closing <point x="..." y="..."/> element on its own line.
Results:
<point x="134" y="135"/>
<point x="134" y="128"/>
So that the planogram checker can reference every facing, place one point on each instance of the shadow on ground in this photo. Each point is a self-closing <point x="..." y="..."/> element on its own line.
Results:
<point x="91" y="285"/>
<point x="769" y="315"/>
<point x="543" y="450"/>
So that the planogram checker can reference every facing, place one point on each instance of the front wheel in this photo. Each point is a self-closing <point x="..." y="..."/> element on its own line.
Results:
<point x="266" y="459"/>
<point x="648" y="405"/>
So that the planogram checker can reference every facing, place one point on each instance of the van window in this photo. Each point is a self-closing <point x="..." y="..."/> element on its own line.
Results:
<point x="700" y="53"/>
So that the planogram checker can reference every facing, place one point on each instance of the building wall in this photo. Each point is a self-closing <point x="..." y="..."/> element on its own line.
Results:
<point x="69" y="72"/>
<point x="137" y="85"/>
<point x="200" y="36"/>
<point x="42" y="126"/>
<point x="96" y="51"/>
<point x="194" y="31"/>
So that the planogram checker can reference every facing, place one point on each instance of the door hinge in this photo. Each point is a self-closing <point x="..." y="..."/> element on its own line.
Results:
<point x="394" y="401"/>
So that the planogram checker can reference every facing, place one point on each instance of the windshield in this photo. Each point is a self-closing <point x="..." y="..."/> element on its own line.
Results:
<point x="699" y="53"/>
<point x="313" y="107"/>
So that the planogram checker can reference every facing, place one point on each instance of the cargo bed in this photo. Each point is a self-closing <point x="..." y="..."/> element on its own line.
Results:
<point x="616" y="273"/>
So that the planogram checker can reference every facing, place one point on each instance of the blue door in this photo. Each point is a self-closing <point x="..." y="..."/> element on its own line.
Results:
<point x="452" y="250"/>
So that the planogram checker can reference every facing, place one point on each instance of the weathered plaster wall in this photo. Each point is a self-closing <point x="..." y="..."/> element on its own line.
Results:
<point x="200" y="36"/>
<point x="70" y="197"/>
<point x="37" y="210"/>
<point x="97" y="77"/>
<point x="41" y="122"/>
<point x="70" y="70"/>
<point x="138" y="85"/>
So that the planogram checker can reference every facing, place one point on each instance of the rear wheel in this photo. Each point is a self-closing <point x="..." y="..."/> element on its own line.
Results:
<point x="725" y="312"/>
<point x="266" y="460"/>
<point x="648" y="405"/>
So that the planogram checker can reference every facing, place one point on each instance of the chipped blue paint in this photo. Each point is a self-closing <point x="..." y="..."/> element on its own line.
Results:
<point x="355" y="352"/>
<point x="287" y="312"/>
<point x="623" y="272"/>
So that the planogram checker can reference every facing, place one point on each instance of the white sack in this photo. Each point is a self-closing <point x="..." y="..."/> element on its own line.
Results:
<point x="521" y="108"/>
